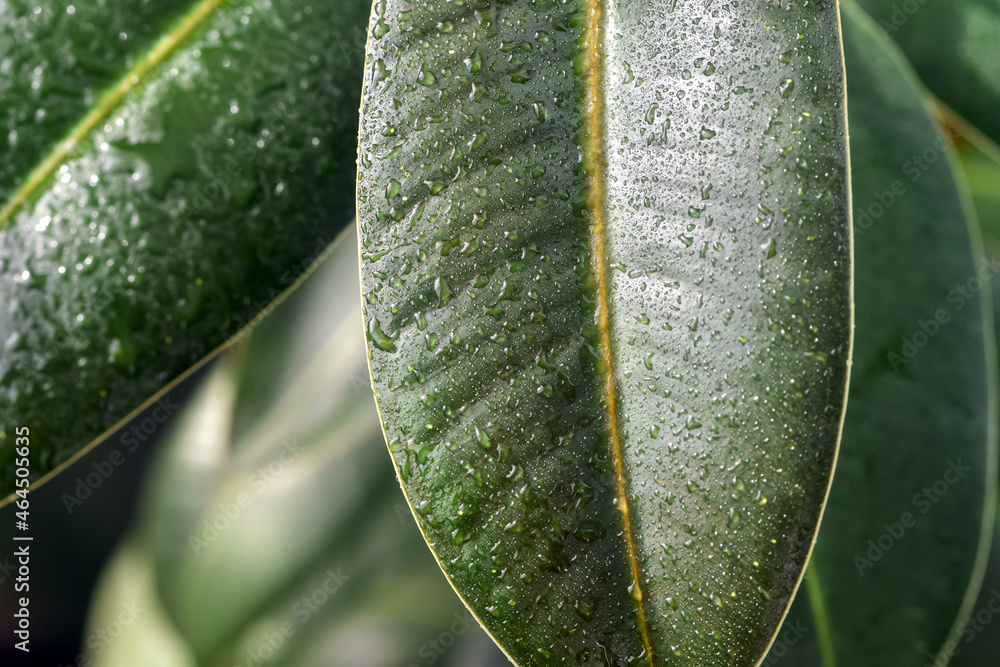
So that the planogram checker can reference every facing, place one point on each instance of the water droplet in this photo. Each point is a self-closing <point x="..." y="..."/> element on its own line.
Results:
<point x="475" y="63"/>
<point x="426" y="77"/>
<point x="771" y="247"/>
<point x="651" y="114"/>
<point x="379" y="338"/>
<point x="392" y="190"/>
<point x="442" y="290"/>
<point x="786" y="88"/>
<point x="585" y="610"/>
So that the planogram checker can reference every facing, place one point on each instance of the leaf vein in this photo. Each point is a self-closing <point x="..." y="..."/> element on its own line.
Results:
<point x="110" y="101"/>
<point x="593" y="147"/>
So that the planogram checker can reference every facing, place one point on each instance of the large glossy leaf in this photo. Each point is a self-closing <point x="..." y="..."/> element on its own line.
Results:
<point x="952" y="44"/>
<point x="907" y="527"/>
<point x="979" y="640"/>
<point x="269" y="482"/>
<point x="172" y="168"/>
<point x="606" y="270"/>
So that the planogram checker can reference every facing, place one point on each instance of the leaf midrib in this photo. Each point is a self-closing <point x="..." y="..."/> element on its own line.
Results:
<point x="109" y="102"/>
<point x="593" y="149"/>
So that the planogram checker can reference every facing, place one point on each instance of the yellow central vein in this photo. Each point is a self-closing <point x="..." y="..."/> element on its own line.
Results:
<point x="109" y="101"/>
<point x="594" y="149"/>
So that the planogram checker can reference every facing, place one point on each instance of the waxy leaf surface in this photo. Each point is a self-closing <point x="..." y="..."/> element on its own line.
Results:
<point x="169" y="171"/>
<point x="904" y="538"/>
<point x="606" y="271"/>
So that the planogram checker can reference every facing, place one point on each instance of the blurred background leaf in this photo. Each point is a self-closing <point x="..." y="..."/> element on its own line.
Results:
<point x="908" y="524"/>
<point x="952" y="44"/>
<point x="911" y="602"/>
<point x="978" y="643"/>
<point x="273" y="531"/>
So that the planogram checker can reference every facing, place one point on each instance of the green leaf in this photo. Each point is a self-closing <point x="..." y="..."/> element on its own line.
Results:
<point x="982" y="171"/>
<point x="241" y="534"/>
<point x="606" y="269"/>
<point x="173" y="171"/>
<point x="952" y="44"/>
<point x="908" y="523"/>
<point x="127" y="591"/>
<point x="979" y="641"/>
<point x="272" y="526"/>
